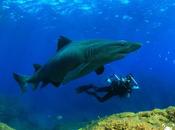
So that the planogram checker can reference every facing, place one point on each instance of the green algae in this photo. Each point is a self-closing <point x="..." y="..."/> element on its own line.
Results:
<point x="156" y="119"/>
<point x="5" y="127"/>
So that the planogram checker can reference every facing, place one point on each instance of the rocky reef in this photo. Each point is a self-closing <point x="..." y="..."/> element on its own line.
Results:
<point x="10" y="109"/>
<point x="5" y="127"/>
<point x="156" y="119"/>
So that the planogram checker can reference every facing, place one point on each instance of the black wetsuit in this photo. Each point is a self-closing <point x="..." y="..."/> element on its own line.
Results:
<point x="116" y="88"/>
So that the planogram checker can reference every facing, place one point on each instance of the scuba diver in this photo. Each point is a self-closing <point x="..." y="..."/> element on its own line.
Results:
<point x="121" y="87"/>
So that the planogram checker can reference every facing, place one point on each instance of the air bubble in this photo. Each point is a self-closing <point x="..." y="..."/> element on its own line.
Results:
<point x="174" y="61"/>
<point x="125" y="1"/>
<point x="126" y="17"/>
<point x="146" y="21"/>
<point x="150" y="68"/>
<point x="147" y="41"/>
<point x="116" y="16"/>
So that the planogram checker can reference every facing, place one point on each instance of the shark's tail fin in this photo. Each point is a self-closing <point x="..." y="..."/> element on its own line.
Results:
<point x="23" y="81"/>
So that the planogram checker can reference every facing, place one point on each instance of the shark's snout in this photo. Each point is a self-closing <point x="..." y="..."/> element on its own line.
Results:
<point x="135" y="46"/>
<point x="130" y="47"/>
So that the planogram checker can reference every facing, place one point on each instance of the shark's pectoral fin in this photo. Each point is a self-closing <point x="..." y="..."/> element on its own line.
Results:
<point x="37" y="67"/>
<point x="100" y="70"/>
<point x="63" y="41"/>
<point x="80" y="71"/>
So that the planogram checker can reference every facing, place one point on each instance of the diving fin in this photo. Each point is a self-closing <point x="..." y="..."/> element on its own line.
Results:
<point x="100" y="70"/>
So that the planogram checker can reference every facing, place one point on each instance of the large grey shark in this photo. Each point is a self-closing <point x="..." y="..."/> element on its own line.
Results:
<point x="75" y="59"/>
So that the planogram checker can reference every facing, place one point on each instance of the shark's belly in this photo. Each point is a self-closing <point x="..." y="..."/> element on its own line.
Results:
<point x="57" y="69"/>
<point x="80" y="71"/>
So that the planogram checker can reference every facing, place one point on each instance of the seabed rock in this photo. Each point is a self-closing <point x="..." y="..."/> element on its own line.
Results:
<point x="156" y="119"/>
<point x="5" y="127"/>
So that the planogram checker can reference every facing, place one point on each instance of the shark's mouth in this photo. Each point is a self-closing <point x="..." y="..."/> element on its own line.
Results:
<point x="122" y="52"/>
<point x="120" y="55"/>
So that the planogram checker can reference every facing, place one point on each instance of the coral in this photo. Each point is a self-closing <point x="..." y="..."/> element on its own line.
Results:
<point x="10" y="109"/>
<point x="5" y="127"/>
<point x="156" y="119"/>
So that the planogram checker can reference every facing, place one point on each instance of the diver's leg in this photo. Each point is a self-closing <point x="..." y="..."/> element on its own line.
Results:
<point x="100" y="99"/>
<point x="106" y="97"/>
<point x="84" y="88"/>
<point x="94" y="88"/>
<point x="103" y="89"/>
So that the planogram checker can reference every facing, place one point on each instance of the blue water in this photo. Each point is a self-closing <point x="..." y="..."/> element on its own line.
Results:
<point x="29" y="31"/>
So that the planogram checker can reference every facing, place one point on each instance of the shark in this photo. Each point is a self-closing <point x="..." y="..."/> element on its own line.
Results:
<point x="74" y="59"/>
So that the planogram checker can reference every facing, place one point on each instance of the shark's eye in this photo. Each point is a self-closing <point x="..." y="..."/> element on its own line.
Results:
<point x="123" y="42"/>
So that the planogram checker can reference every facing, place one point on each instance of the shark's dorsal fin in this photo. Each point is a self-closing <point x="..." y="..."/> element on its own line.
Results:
<point x="37" y="67"/>
<point x="63" y="41"/>
<point x="99" y="70"/>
